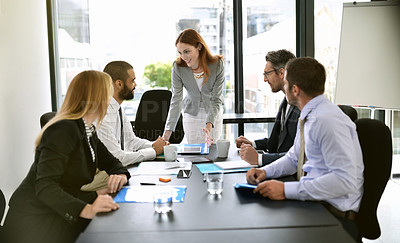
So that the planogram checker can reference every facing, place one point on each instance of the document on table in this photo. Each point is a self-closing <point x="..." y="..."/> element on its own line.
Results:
<point x="212" y="168"/>
<point x="226" y="165"/>
<point x="144" y="194"/>
<point x="162" y="168"/>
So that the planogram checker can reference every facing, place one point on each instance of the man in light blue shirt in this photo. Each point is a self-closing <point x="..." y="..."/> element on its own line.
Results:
<point x="334" y="166"/>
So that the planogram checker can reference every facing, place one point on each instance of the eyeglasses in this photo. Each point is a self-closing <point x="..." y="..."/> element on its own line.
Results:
<point x="266" y="74"/>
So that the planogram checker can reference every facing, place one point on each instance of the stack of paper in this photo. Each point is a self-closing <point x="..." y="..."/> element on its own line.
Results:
<point x="162" y="168"/>
<point x="227" y="165"/>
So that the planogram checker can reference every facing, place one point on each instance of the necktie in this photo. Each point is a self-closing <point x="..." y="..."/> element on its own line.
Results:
<point x="122" y="128"/>
<point x="302" y="154"/>
<point x="283" y="113"/>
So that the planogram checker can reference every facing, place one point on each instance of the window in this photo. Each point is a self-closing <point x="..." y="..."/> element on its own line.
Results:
<point x="267" y="26"/>
<point x="92" y="33"/>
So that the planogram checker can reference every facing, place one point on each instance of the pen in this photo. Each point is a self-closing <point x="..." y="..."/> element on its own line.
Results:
<point x="204" y="177"/>
<point x="147" y="184"/>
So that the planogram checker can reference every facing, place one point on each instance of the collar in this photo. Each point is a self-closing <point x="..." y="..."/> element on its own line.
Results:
<point x="311" y="105"/>
<point x="114" y="104"/>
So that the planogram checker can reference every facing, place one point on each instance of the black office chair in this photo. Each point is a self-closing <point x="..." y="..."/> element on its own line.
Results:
<point x="376" y="144"/>
<point x="2" y="209"/>
<point x="350" y="111"/>
<point x="46" y="117"/>
<point x="152" y="114"/>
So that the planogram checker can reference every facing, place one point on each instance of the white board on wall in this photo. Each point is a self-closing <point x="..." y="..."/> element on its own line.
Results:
<point x="369" y="55"/>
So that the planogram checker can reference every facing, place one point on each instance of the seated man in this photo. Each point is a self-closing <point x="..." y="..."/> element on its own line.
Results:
<point x="284" y="130"/>
<point x="121" y="141"/>
<point x="326" y="153"/>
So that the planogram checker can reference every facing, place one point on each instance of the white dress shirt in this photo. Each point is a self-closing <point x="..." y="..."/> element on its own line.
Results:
<point x="135" y="149"/>
<point x="334" y="167"/>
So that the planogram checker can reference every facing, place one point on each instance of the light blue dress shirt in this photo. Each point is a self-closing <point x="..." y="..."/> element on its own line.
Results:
<point x="334" y="164"/>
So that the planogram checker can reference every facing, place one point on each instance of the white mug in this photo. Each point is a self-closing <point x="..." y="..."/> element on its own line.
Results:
<point x="223" y="148"/>
<point x="170" y="153"/>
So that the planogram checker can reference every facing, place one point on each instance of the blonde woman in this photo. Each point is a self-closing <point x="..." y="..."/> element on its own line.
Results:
<point x="49" y="206"/>
<point x="202" y="76"/>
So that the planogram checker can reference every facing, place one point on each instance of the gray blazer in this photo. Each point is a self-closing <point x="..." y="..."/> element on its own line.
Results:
<point x="210" y="93"/>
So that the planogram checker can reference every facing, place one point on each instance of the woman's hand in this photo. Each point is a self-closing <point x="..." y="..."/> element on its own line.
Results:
<point x="167" y="134"/>
<point x="102" y="204"/>
<point x="207" y="131"/>
<point x="116" y="182"/>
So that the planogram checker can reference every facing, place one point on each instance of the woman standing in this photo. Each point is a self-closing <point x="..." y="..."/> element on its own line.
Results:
<point x="49" y="206"/>
<point x="202" y="76"/>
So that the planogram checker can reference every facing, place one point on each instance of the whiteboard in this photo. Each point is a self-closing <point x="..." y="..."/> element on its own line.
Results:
<point x="369" y="55"/>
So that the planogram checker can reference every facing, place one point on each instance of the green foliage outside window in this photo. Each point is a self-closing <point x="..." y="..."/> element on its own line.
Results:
<point x="158" y="75"/>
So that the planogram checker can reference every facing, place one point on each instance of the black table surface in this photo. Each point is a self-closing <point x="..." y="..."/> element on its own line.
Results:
<point x="233" y="213"/>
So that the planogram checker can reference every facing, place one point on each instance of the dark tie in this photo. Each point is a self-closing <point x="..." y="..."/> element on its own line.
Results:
<point x="283" y="113"/>
<point x="122" y="128"/>
<point x="302" y="154"/>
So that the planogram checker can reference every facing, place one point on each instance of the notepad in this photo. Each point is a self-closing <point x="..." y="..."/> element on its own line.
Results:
<point x="200" y="148"/>
<point x="144" y="194"/>
<point x="227" y="165"/>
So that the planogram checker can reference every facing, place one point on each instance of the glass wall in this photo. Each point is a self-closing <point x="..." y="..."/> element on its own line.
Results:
<point x="267" y="26"/>
<point x="92" y="33"/>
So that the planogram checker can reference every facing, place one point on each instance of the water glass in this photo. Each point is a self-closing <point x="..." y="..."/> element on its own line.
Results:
<point x="162" y="201"/>
<point x="215" y="183"/>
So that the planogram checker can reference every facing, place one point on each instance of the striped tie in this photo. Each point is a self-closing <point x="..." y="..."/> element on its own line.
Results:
<point x="302" y="154"/>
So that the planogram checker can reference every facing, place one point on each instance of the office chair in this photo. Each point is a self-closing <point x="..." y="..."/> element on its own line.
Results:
<point x="152" y="114"/>
<point x="376" y="145"/>
<point x="350" y="111"/>
<point x="46" y="117"/>
<point x="2" y="210"/>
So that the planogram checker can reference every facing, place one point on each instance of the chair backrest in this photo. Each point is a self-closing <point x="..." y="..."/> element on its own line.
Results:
<point x="2" y="204"/>
<point x="376" y="145"/>
<point x="152" y="114"/>
<point x="350" y="111"/>
<point x="46" y="117"/>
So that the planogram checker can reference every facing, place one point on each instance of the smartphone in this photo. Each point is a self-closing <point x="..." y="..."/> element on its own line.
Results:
<point x="202" y="160"/>
<point x="184" y="173"/>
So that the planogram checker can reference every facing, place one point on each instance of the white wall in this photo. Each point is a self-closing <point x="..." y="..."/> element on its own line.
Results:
<point x="25" y="86"/>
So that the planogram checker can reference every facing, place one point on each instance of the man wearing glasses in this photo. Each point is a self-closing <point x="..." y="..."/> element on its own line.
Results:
<point x="284" y="130"/>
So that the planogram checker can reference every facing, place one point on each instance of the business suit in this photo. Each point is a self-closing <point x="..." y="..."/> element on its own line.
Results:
<point x="280" y="140"/>
<point x="210" y="94"/>
<point x="47" y="204"/>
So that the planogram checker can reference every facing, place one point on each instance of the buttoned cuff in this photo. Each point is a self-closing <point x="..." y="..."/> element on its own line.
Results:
<point x="149" y="153"/>
<point x="260" y="162"/>
<point x="291" y="190"/>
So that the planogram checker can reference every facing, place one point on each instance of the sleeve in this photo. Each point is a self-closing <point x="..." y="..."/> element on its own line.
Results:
<point x="107" y="162"/>
<point x="286" y="165"/>
<point x="51" y="166"/>
<point x="136" y="149"/>
<point x="216" y="94"/>
<point x="268" y="158"/>
<point x="261" y="144"/>
<point x="175" y="107"/>
<point x="337" y="149"/>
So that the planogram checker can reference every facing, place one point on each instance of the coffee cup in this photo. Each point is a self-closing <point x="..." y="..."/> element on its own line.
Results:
<point x="170" y="153"/>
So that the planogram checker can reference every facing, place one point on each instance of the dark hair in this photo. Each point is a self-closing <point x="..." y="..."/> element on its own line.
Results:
<point x="193" y="38"/>
<point x="279" y="58"/>
<point x="308" y="74"/>
<point x="118" y="70"/>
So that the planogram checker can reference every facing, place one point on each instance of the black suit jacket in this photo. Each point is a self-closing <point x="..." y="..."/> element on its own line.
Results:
<point x="49" y="199"/>
<point x="279" y="142"/>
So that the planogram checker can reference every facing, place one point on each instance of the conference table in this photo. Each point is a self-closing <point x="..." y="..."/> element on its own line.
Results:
<point x="237" y="215"/>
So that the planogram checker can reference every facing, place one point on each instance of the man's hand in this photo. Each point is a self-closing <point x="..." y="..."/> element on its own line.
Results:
<point x="159" y="144"/>
<point x="242" y="140"/>
<point x="272" y="189"/>
<point x="249" y="154"/>
<point x="103" y="203"/>
<point x="116" y="182"/>
<point x="254" y="176"/>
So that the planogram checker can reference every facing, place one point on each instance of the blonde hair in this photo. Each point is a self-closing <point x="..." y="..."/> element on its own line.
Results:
<point x="88" y="92"/>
